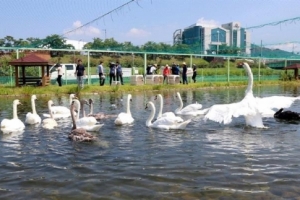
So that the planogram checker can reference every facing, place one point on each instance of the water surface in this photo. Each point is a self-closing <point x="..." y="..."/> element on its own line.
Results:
<point x="205" y="161"/>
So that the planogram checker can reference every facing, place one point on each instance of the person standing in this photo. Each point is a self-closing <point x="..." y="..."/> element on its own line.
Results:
<point x="119" y="72"/>
<point x="80" y="73"/>
<point x="100" y="70"/>
<point x="153" y="69"/>
<point x="59" y="74"/>
<point x="112" y="72"/>
<point x="194" y="73"/>
<point x="166" y="73"/>
<point x="184" y="73"/>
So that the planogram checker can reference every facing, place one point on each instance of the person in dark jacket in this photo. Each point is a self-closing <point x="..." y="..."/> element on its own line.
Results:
<point x="194" y="73"/>
<point x="119" y="72"/>
<point x="184" y="73"/>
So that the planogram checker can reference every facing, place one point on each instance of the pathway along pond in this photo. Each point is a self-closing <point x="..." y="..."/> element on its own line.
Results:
<point x="205" y="161"/>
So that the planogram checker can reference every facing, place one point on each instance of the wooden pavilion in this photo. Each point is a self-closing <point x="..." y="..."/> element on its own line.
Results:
<point x="294" y="67"/>
<point x="31" y="60"/>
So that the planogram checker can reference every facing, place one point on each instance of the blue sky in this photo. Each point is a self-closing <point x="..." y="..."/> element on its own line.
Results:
<point x="149" y="20"/>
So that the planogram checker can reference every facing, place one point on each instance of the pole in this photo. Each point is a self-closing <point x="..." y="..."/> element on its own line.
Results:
<point x="228" y="70"/>
<point x="89" y="75"/>
<point x="145" y="66"/>
<point x="218" y="43"/>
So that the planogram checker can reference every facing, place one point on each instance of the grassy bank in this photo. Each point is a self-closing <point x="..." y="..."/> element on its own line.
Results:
<point x="88" y="89"/>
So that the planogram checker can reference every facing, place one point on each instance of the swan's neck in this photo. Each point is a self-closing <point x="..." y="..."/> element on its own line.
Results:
<point x="151" y="116"/>
<point x="250" y="79"/>
<point x="91" y="108"/>
<point x="78" y="107"/>
<point x="50" y="112"/>
<point x="128" y="106"/>
<point x="180" y="103"/>
<point x="73" y="117"/>
<point x="161" y="103"/>
<point x="33" y="106"/>
<point x="15" y="115"/>
<point x="83" y="111"/>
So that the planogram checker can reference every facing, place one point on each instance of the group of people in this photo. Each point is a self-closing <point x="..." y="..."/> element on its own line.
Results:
<point x="115" y="72"/>
<point x="175" y="70"/>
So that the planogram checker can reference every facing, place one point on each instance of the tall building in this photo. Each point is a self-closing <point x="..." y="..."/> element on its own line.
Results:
<point x="207" y="40"/>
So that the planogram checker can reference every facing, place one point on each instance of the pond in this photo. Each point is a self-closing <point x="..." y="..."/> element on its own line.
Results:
<point x="207" y="160"/>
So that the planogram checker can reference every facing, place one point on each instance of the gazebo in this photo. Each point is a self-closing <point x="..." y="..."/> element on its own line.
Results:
<point x="31" y="60"/>
<point x="295" y="67"/>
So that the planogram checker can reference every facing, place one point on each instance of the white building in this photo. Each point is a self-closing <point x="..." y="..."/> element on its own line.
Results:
<point x="78" y="44"/>
<point x="209" y="39"/>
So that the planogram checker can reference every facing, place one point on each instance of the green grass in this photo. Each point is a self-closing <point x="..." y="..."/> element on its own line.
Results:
<point x="53" y="90"/>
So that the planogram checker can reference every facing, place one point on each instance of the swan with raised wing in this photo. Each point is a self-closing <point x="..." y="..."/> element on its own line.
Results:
<point x="163" y="122"/>
<point x="170" y="115"/>
<point x="79" y="134"/>
<point x="100" y="115"/>
<point x="61" y="111"/>
<point x="125" y="117"/>
<point x="193" y="109"/>
<point x="33" y="118"/>
<point x="87" y="123"/>
<point x="14" y="124"/>
<point x="49" y="123"/>
<point x="253" y="109"/>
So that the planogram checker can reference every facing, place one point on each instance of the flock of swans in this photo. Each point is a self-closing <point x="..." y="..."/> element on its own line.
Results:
<point x="254" y="109"/>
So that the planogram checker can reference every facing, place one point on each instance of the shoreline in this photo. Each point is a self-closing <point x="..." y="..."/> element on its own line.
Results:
<point x="51" y="90"/>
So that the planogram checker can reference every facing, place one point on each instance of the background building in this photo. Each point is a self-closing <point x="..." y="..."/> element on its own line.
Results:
<point x="213" y="40"/>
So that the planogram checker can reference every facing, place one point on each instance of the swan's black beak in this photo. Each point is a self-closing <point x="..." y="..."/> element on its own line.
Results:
<point x="130" y="100"/>
<point x="146" y="106"/>
<point x="155" y="97"/>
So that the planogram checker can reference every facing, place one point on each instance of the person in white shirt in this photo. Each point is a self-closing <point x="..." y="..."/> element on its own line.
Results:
<point x="59" y="74"/>
<point x="100" y="70"/>
<point x="153" y="69"/>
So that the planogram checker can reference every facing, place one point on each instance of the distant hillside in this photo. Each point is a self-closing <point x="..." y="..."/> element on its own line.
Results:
<point x="270" y="53"/>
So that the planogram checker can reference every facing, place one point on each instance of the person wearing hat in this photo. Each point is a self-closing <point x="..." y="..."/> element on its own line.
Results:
<point x="184" y="73"/>
<point x="153" y="69"/>
<point x="194" y="73"/>
<point x="59" y="73"/>
<point x="166" y="73"/>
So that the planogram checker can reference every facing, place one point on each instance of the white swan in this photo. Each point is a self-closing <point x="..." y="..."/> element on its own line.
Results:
<point x="49" y="123"/>
<point x="79" y="134"/>
<point x="61" y="111"/>
<point x="100" y="115"/>
<point x="33" y="118"/>
<point x="163" y="122"/>
<point x="87" y="123"/>
<point x="125" y="118"/>
<point x="170" y="115"/>
<point x="193" y="109"/>
<point x="253" y="109"/>
<point x="14" y="124"/>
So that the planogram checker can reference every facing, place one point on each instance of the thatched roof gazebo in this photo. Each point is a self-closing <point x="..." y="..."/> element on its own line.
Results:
<point x="31" y="60"/>
<point x="294" y="67"/>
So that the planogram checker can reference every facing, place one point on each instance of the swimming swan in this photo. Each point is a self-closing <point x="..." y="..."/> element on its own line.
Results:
<point x="87" y="123"/>
<point x="163" y="122"/>
<point x="287" y="115"/>
<point x="14" y="124"/>
<point x="61" y="111"/>
<point x="49" y="123"/>
<point x="193" y="109"/>
<point x="125" y="118"/>
<point x="33" y="118"/>
<point x="79" y="134"/>
<point x="253" y="109"/>
<point x="170" y="115"/>
<point x="100" y="115"/>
